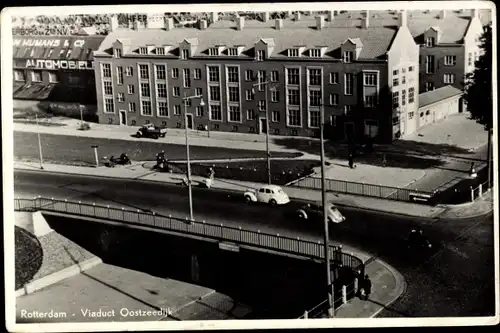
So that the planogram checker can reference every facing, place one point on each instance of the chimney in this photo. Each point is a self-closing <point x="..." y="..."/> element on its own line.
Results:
<point x="214" y="16"/>
<point x="365" y="22"/>
<point x="265" y="16"/>
<point x="113" y="23"/>
<point x="320" y="22"/>
<point x="278" y="24"/>
<point x="137" y="25"/>
<point x="203" y="24"/>
<point x="474" y="13"/>
<point x="169" y="23"/>
<point x="331" y="15"/>
<point x="442" y="14"/>
<point x="403" y="18"/>
<point x="298" y="16"/>
<point x="240" y="23"/>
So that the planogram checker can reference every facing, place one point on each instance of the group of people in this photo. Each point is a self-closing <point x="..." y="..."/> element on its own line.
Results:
<point x="365" y="287"/>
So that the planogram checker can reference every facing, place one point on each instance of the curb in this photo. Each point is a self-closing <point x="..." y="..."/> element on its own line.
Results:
<point x="50" y="279"/>
<point x="400" y="286"/>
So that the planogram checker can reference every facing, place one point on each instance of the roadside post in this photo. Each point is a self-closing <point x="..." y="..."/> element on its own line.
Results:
<point x="96" y="156"/>
<point x="39" y="142"/>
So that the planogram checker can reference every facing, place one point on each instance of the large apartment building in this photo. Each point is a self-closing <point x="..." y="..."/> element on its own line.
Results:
<point x="364" y="77"/>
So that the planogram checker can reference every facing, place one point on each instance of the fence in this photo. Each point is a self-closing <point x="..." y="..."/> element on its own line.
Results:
<point x="478" y="191"/>
<point x="342" y="294"/>
<point x="368" y="190"/>
<point x="218" y="232"/>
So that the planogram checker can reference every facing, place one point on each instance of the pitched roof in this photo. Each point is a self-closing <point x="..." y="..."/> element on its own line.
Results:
<point x="434" y="96"/>
<point x="375" y="40"/>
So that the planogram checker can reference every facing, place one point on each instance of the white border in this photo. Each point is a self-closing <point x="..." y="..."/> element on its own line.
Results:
<point x="7" y="155"/>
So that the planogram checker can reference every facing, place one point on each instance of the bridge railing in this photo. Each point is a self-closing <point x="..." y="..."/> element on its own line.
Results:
<point x="218" y="232"/>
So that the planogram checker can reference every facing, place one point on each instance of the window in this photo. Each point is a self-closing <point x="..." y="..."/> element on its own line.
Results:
<point x="185" y="54"/>
<point x="411" y="95"/>
<point x="129" y="71"/>
<point x="188" y="102"/>
<point x="293" y="52"/>
<point x="274" y="96"/>
<point x="395" y="99"/>
<point x="334" y="78"/>
<point x="143" y="50"/>
<point x="198" y="91"/>
<point x="275" y="116"/>
<point x="162" y="90"/>
<point x="395" y="82"/>
<point x="429" y="64"/>
<point x="293" y="76"/>
<point x="429" y="86"/>
<point x="347" y="109"/>
<point x="370" y="101"/>
<point x="315" y="53"/>
<point x="119" y="75"/>
<point x="450" y="60"/>
<point x="213" y="74"/>
<point x="248" y="75"/>
<point x="19" y="75"/>
<point x="293" y="116"/>
<point x="131" y="107"/>
<point x="395" y="72"/>
<point x="108" y="88"/>
<point x="109" y="105"/>
<point x="249" y="95"/>
<point x="197" y="74"/>
<point x="395" y="120"/>
<point x="470" y="61"/>
<point x="314" y="118"/>
<point x="50" y="53"/>
<point x="177" y="110"/>
<point x="260" y="55"/>
<point x="348" y="84"/>
<point x="403" y="80"/>
<point x="106" y="70"/>
<point x="162" y="109"/>
<point x="370" y="79"/>
<point x="145" y="91"/>
<point x="333" y="120"/>
<point x="334" y="99"/>
<point x="146" y="108"/>
<point x="53" y="77"/>
<point x="315" y="77"/>
<point x="176" y="91"/>
<point x="261" y="76"/>
<point x="251" y="114"/>
<point x="411" y="114"/>
<point x="274" y="76"/>
<point x="403" y="70"/>
<point x="214" y="93"/>
<point x="348" y="55"/>
<point x="130" y="89"/>
<point x="293" y="97"/>
<point x="234" y="113"/>
<point x="430" y="41"/>
<point x="314" y="97"/>
<point x="410" y="69"/>
<point x="175" y="73"/>
<point x="160" y="51"/>
<point x="161" y="72"/>
<point x="118" y="53"/>
<point x="144" y="72"/>
<point x="234" y="94"/>
<point x="187" y="77"/>
<point x="61" y="53"/>
<point x="199" y="111"/>
<point x="233" y="51"/>
<point x="215" y="112"/>
<point x="262" y="105"/>
<point x="232" y="75"/>
<point x="403" y="97"/>
<point x="121" y="97"/>
<point x="449" y="78"/>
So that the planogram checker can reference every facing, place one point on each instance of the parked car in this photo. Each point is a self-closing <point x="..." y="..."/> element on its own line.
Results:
<point x="151" y="131"/>
<point x="271" y="194"/>
<point x="112" y="161"/>
<point x="315" y="211"/>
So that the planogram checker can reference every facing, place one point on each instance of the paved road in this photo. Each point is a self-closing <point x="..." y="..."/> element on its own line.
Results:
<point x="456" y="281"/>
<point x="74" y="149"/>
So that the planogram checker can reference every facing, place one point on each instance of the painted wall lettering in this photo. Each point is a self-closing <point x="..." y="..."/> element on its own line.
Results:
<point x="58" y="64"/>
<point x="49" y="43"/>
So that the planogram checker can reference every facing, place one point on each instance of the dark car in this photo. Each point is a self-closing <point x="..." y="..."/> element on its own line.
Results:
<point x="151" y="131"/>
<point x="315" y="211"/>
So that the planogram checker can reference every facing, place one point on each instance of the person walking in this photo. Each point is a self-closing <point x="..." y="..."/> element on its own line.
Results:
<point x="384" y="160"/>
<point x="351" y="161"/>
<point x="367" y="286"/>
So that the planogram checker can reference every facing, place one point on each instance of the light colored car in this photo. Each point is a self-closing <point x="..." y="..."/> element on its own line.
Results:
<point x="315" y="211"/>
<point x="271" y="194"/>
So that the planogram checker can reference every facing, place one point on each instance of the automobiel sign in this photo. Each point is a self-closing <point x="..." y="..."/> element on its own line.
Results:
<point x="58" y="64"/>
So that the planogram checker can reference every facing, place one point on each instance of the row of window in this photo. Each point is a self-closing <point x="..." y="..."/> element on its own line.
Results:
<point x="36" y="76"/>
<point x="430" y="65"/>
<point x="48" y="52"/>
<point x="396" y="97"/>
<point x="396" y="72"/>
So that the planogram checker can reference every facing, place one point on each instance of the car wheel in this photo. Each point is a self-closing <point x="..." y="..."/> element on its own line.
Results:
<point x="273" y="202"/>
<point x="301" y="216"/>
<point x="138" y="134"/>
<point x="248" y="199"/>
<point x="163" y="135"/>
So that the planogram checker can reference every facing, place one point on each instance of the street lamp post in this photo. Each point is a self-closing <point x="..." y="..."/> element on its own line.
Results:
<point x="81" y="113"/>
<point x="95" y="155"/>
<point x="39" y="142"/>
<point x="185" y="99"/>
<point x="268" y="154"/>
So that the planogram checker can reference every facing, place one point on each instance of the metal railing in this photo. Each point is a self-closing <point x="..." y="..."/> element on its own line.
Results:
<point x="478" y="191"/>
<point x="342" y="296"/>
<point x="218" y="232"/>
<point x="364" y="189"/>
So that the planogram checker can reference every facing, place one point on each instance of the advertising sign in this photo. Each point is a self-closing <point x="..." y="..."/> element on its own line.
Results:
<point x="62" y="43"/>
<point x="58" y="64"/>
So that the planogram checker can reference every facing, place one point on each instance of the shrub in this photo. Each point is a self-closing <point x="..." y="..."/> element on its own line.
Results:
<point x="84" y="127"/>
<point x="71" y="110"/>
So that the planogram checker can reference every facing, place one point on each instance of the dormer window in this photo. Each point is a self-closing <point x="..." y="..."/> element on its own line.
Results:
<point x="68" y="54"/>
<point x="185" y="54"/>
<point x="160" y="51"/>
<point x="315" y="53"/>
<point x="232" y="51"/>
<point x="213" y="51"/>
<point x="293" y="52"/>
<point x="260" y="55"/>
<point x="118" y="53"/>
<point x="430" y="41"/>
<point x="347" y="56"/>
<point x="143" y="50"/>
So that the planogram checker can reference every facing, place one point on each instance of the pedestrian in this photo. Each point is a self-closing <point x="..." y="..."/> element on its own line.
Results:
<point x="384" y="160"/>
<point x="367" y="286"/>
<point x="351" y="161"/>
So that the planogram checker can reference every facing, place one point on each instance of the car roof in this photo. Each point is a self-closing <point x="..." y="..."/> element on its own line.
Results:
<point x="272" y="187"/>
